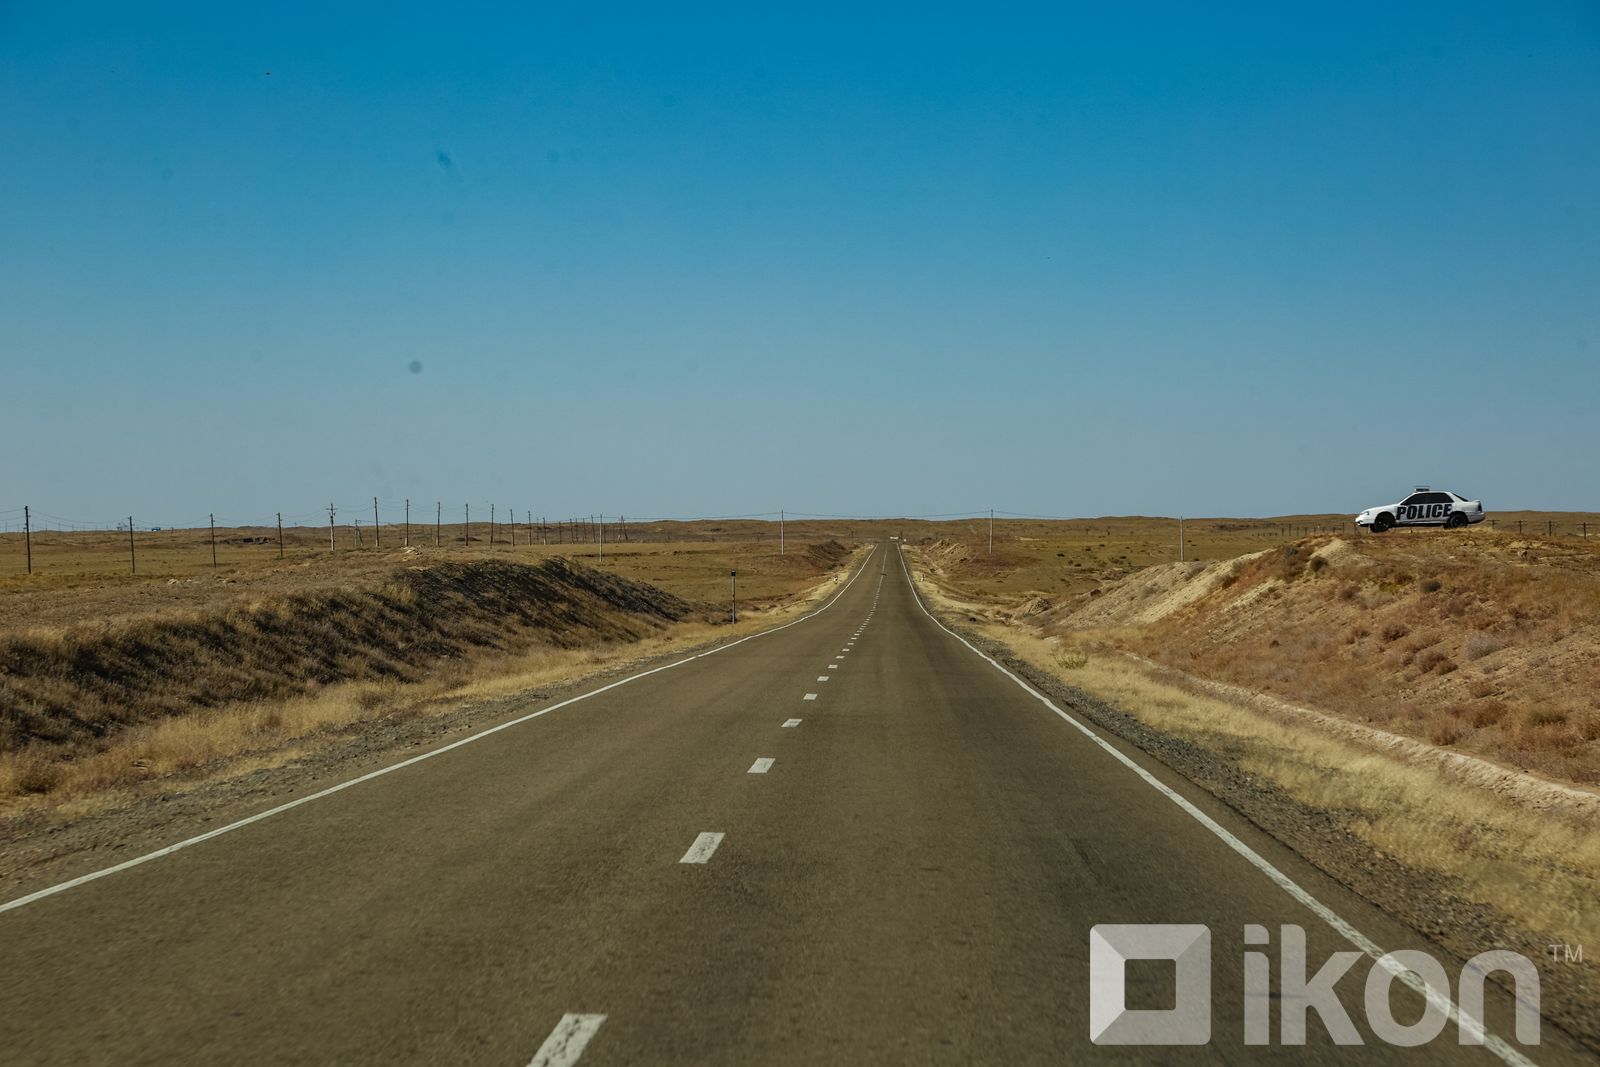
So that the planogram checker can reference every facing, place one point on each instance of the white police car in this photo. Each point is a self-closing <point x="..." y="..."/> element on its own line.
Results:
<point x="1423" y="508"/>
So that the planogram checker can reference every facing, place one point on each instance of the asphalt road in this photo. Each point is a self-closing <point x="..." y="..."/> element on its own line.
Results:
<point x="909" y="875"/>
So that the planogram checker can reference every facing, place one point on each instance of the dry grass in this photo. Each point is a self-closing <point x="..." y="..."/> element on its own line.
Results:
<point x="1474" y="640"/>
<point x="83" y="578"/>
<point x="1490" y="645"/>
<point x="70" y="689"/>
<point x="228" y="741"/>
<point x="93" y="713"/>
<point x="1493" y="851"/>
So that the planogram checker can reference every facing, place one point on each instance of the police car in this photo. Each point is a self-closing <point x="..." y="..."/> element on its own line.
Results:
<point x="1423" y="508"/>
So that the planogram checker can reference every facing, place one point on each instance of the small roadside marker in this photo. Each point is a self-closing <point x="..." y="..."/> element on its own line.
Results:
<point x="761" y="766"/>
<point x="703" y="847"/>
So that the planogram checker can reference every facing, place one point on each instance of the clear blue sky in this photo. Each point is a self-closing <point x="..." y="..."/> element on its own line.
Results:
<point x="1210" y="259"/>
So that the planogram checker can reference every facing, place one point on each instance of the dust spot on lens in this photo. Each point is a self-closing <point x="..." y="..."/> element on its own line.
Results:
<point x="415" y="366"/>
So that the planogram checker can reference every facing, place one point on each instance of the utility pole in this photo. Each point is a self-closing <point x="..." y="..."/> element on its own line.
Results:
<point x="511" y="524"/>
<point x="438" y="522"/>
<point x="133" y="562"/>
<point x="27" y="534"/>
<point x="733" y="608"/>
<point x="466" y="530"/>
<point x="602" y="539"/>
<point x="491" y="525"/>
<point x="405" y="538"/>
<point x="1180" y="539"/>
<point x="333" y="545"/>
<point x="280" y="535"/>
<point x="377" y="535"/>
<point x="780" y="531"/>
<point x="213" y="542"/>
<point x="991" y="531"/>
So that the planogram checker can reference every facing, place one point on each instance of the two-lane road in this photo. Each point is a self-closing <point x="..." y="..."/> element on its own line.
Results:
<point x="851" y="839"/>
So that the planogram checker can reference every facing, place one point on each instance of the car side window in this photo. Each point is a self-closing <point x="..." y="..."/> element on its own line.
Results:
<point x="1414" y="498"/>
<point x="1437" y="498"/>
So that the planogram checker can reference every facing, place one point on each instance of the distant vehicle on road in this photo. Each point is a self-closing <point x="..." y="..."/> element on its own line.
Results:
<point x="1425" y="507"/>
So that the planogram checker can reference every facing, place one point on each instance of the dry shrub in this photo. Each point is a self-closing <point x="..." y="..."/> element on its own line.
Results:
<point x="1445" y="732"/>
<point x="1072" y="659"/>
<point x="1394" y="632"/>
<point x="1545" y="716"/>
<point x="1431" y="585"/>
<point x="1480" y="645"/>
<point x="1553" y="737"/>
<point x="1486" y="713"/>
<point x="31" y="772"/>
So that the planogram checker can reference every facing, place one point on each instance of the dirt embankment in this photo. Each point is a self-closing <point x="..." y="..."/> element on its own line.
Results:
<point x="72" y="689"/>
<point x="826" y="555"/>
<point x="1488" y="645"/>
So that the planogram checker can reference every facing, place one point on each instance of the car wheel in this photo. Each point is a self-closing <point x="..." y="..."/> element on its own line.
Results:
<point x="1455" y="521"/>
<point x="1383" y="523"/>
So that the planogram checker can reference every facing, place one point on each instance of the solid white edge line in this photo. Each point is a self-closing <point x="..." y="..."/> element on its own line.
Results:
<point x="566" y="1042"/>
<point x="1468" y="1024"/>
<point x="94" y="876"/>
<point x="704" y="845"/>
<point x="761" y="766"/>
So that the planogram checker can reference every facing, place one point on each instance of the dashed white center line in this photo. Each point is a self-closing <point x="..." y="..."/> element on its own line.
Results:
<point x="834" y="666"/>
<point x="822" y="677"/>
<point x="840" y="656"/>
<point x="791" y="722"/>
<point x="566" y="1042"/>
<point x="811" y="696"/>
<point x="761" y="766"/>
<point x="703" y="847"/>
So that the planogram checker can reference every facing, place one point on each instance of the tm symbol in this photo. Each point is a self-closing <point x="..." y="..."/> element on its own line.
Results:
<point x="1565" y="953"/>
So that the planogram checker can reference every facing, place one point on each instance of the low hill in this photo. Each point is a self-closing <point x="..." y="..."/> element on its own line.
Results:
<point x="1487" y="643"/>
<point x="79" y="685"/>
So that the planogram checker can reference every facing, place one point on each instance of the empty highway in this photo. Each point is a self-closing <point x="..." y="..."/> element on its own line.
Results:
<point x="851" y="839"/>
